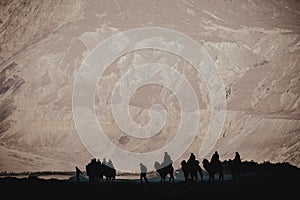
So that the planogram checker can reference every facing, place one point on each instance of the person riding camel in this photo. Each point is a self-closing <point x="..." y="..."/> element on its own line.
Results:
<point x="215" y="158"/>
<point x="237" y="157"/>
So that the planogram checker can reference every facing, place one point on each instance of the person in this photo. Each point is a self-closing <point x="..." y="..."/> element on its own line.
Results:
<point x="236" y="166"/>
<point x="110" y="164"/>
<point x="192" y="158"/>
<point x="78" y="172"/>
<point x="104" y="161"/>
<point x="167" y="160"/>
<point x="193" y="166"/>
<point x="237" y="157"/>
<point x="185" y="170"/>
<point x="215" y="158"/>
<point x="143" y="174"/>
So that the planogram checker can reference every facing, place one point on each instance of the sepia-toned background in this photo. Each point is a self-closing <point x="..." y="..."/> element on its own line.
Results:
<point x="254" y="44"/>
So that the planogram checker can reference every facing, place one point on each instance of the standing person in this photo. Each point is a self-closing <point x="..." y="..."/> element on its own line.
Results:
<point x="78" y="172"/>
<point x="143" y="174"/>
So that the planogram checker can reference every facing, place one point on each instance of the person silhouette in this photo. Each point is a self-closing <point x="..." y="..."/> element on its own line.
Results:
<point x="236" y="166"/>
<point x="78" y="172"/>
<point x="215" y="158"/>
<point x="199" y="170"/>
<point x="185" y="170"/>
<point x="104" y="161"/>
<point x="143" y="174"/>
<point x="110" y="164"/>
<point x="192" y="158"/>
<point x="167" y="160"/>
<point x="237" y="157"/>
<point x="192" y="165"/>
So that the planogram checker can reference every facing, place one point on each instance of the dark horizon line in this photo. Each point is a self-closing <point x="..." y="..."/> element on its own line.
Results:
<point x="59" y="172"/>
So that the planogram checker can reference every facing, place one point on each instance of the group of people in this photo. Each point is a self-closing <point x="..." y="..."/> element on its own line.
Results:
<point x="191" y="168"/>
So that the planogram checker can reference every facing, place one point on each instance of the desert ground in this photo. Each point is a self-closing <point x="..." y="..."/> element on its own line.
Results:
<point x="273" y="182"/>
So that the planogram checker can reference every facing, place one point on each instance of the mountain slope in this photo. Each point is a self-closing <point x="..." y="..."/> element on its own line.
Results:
<point x="254" y="44"/>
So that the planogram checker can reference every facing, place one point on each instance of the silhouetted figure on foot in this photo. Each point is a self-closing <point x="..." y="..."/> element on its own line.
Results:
<point x="236" y="166"/>
<point x="78" y="172"/>
<point x="185" y="170"/>
<point x="143" y="174"/>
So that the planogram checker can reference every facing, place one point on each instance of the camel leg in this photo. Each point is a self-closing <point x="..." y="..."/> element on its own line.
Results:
<point x="221" y="177"/>
<point x="171" y="178"/>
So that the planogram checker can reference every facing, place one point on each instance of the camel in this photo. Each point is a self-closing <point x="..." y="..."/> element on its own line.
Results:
<point x="213" y="168"/>
<point x="191" y="169"/>
<point x="164" y="171"/>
